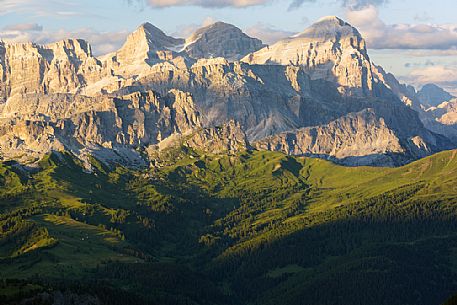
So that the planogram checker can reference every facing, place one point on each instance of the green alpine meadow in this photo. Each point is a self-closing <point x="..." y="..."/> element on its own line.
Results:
<point x="249" y="228"/>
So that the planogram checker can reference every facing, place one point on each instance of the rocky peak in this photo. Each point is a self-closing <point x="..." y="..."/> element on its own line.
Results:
<point x="331" y="50"/>
<point x="143" y="44"/>
<point x="154" y="37"/>
<point x="335" y="30"/>
<point x="432" y="95"/>
<point x="331" y="28"/>
<point x="221" y="40"/>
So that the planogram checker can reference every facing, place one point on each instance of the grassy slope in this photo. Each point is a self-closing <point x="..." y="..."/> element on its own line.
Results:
<point x="265" y="227"/>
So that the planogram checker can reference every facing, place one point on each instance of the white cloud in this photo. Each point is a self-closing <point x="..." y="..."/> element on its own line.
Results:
<point x="294" y="4"/>
<point x="380" y="35"/>
<point x="7" y="6"/>
<point x="102" y="42"/>
<point x="207" y="3"/>
<point x="25" y="27"/>
<point x="442" y="75"/>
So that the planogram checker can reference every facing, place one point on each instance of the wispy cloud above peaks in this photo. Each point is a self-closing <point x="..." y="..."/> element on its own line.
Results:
<point x="380" y="35"/>
<point x="103" y="42"/>
<point x="361" y="4"/>
<point x="350" y="4"/>
<point x="207" y="3"/>
<point x="25" y="27"/>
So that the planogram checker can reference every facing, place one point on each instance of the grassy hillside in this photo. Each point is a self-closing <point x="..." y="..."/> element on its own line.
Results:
<point x="256" y="228"/>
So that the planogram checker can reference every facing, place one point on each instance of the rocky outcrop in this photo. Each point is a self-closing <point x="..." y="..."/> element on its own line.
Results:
<point x="388" y="88"/>
<point x="228" y="138"/>
<point x="3" y="66"/>
<point x="77" y="123"/>
<point x="362" y="138"/>
<point x="61" y="67"/>
<point x="445" y="113"/>
<point x="221" y="40"/>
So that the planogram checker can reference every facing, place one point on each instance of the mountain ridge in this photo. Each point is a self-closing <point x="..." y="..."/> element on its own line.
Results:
<point x="266" y="95"/>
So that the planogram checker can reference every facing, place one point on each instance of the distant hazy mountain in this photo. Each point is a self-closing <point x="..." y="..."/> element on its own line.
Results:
<point x="432" y="95"/>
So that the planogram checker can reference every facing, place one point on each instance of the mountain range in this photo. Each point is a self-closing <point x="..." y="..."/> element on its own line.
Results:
<point x="189" y="171"/>
<point x="314" y="94"/>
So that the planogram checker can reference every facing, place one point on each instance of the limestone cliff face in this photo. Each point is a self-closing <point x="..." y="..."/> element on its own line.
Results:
<point x="3" y="88"/>
<point x="354" y="135"/>
<point x="363" y="138"/>
<point x="60" y="67"/>
<point x="221" y="40"/>
<point x="317" y="93"/>
<point x="331" y="50"/>
<point x="388" y="87"/>
<point x="445" y="113"/>
<point x="264" y="99"/>
<point x="56" y="122"/>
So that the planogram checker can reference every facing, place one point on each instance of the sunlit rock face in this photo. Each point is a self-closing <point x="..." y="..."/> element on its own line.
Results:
<point x="78" y="123"/>
<point x="60" y="67"/>
<point x="354" y="135"/>
<point x="228" y="138"/>
<point x="443" y="118"/>
<point x="221" y="40"/>
<point x="316" y="94"/>
<point x="330" y="49"/>
<point x="144" y="47"/>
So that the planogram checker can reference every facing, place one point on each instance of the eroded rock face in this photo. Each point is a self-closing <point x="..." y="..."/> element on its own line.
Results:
<point x="330" y="50"/>
<point x="388" y="87"/>
<point x="361" y="138"/>
<point x="3" y="88"/>
<point x="221" y="40"/>
<point x="61" y="67"/>
<point x="228" y="138"/>
<point x="317" y="93"/>
<point x="445" y="113"/>
<point x="78" y="123"/>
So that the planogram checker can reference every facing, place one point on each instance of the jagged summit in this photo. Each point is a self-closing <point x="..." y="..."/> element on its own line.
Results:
<point x="332" y="18"/>
<point x="145" y="40"/>
<point x="330" y="49"/>
<point x="221" y="39"/>
<point x="330" y="27"/>
<point x="145" y="46"/>
<point x="156" y="38"/>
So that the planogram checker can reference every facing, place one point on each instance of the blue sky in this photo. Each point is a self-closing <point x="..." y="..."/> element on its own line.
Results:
<point x="417" y="40"/>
